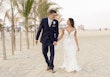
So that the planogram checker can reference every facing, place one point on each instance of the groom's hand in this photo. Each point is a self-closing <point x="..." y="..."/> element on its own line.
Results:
<point x="36" y="42"/>
<point x="54" y="43"/>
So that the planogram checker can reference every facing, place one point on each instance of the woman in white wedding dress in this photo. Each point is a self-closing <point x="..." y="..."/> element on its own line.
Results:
<point x="70" y="45"/>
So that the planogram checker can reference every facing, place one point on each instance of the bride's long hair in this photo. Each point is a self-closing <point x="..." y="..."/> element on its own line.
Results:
<point x="72" y="22"/>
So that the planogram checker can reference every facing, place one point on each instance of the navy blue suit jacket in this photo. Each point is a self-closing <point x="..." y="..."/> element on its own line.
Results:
<point x="51" y="32"/>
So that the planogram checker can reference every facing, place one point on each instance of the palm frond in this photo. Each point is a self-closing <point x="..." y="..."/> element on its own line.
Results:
<point x="28" y="6"/>
<point x="44" y="7"/>
<point x="7" y="15"/>
<point x="1" y="25"/>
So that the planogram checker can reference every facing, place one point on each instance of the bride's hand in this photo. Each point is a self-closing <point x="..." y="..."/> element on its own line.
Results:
<point x="78" y="49"/>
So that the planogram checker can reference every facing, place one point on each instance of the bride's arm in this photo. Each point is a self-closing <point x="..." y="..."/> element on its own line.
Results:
<point x="61" y="35"/>
<point x="76" y="40"/>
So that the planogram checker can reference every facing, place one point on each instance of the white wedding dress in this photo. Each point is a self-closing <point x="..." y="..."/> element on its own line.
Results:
<point x="70" y="63"/>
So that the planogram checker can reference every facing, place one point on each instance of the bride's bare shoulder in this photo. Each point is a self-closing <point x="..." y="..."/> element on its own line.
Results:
<point x="64" y="28"/>
<point x="74" y="29"/>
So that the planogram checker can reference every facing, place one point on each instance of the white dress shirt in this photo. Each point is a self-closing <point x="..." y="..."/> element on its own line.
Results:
<point x="49" y="22"/>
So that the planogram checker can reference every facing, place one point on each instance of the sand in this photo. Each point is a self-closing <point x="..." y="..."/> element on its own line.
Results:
<point x="93" y="58"/>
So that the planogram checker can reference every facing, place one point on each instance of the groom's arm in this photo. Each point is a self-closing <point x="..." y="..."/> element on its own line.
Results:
<point x="39" y="30"/>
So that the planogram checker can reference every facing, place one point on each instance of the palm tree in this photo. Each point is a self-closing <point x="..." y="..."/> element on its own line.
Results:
<point x="11" y="17"/>
<point x="33" y="18"/>
<point x="3" y="41"/>
<point x="12" y="26"/>
<point x="1" y="1"/>
<point x="3" y="36"/>
<point x="24" y="8"/>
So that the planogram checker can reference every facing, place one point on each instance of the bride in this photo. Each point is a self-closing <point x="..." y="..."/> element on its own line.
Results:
<point x="70" y="47"/>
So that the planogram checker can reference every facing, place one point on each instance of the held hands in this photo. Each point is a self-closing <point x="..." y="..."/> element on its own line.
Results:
<point x="36" y="42"/>
<point x="55" y="43"/>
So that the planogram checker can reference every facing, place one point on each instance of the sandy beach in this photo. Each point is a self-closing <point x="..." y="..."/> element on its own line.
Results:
<point x="93" y="58"/>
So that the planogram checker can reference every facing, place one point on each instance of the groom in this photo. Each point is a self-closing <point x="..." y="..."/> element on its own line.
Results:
<point x="49" y="38"/>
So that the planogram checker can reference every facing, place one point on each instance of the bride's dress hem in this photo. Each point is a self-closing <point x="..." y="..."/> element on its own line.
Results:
<point x="71" y="70"/>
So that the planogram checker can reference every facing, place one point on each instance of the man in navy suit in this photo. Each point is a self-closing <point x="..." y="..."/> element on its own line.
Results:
<point x="49" y="38"/>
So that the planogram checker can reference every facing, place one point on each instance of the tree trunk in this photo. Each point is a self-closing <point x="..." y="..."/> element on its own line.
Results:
<point x="4" y="49"/>
<point x="12" y="41"/>
<point x="1" y="33"/>
<point x="27" y="34"/>
<point x="13" y="30"/>
<point x="33" y="38"/>
<point x="27" y="39"/>
<point x="31" y="34"/>
<point x="20" y="40"/>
